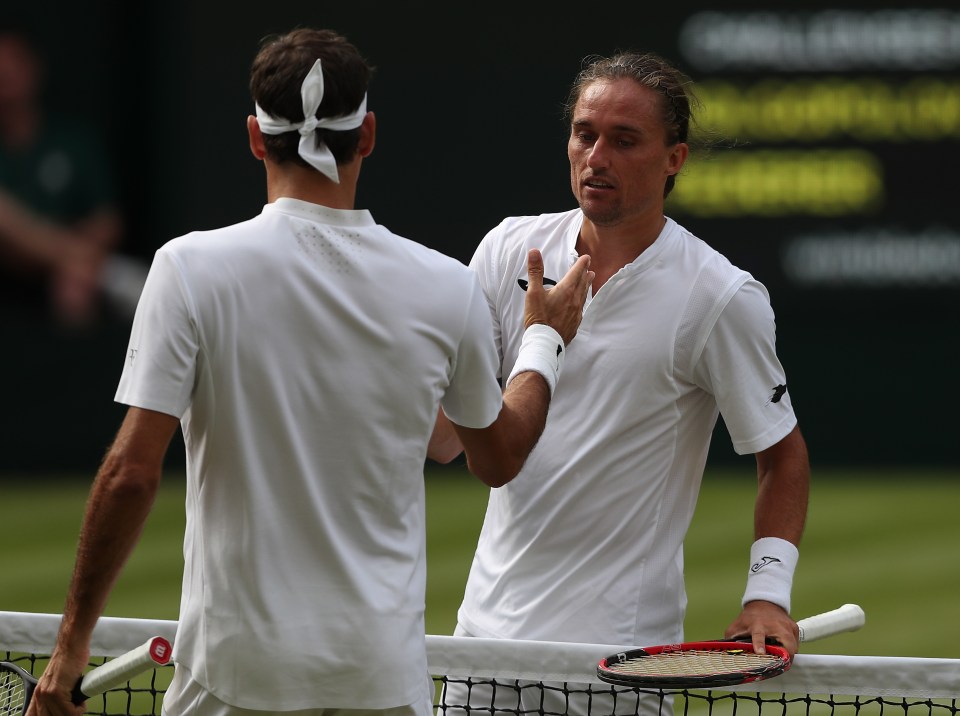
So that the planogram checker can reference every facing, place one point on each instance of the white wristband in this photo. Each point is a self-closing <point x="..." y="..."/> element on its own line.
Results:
<point x="772" y="564"/>
<point x="541" y="351"/>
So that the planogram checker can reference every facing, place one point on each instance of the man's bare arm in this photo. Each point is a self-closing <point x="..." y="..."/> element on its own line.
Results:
<point x="496" y="453"/>
<point x="120" y="500"/>
<point x="783" y="474"/>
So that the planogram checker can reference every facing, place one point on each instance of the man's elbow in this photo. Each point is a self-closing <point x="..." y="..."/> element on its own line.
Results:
<point x="494" y="473"/>
<point x="444" y="454"/>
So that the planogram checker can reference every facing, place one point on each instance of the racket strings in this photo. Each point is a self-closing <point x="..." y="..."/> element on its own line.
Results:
<point x="700" y="662"/>
<point x="13" y="694"/>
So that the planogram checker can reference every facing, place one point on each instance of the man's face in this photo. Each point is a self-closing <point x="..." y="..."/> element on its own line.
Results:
<point x="618" y="152"/>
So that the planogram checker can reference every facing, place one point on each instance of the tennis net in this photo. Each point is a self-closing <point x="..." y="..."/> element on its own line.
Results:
<point x="495" y="676"/>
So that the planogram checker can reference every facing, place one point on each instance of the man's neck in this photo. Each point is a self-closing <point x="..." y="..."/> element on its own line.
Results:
<point x="621" y="243"/>
<point x="296" y="182"/>
<point x="613" y="247"/>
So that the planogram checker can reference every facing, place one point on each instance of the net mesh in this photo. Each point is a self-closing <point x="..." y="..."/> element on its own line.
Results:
<point x="494" y="676"/>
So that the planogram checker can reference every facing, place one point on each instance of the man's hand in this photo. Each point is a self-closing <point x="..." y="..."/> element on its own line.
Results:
<point x="760" y="621"/>
<point x="53" y="695"/>
<point x="560" y="306"/>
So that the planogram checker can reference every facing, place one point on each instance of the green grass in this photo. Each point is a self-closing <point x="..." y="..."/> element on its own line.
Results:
<point x="887" y="541"/>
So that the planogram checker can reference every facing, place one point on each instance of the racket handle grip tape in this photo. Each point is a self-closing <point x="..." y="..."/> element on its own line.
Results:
<point x="156" y="651"/>
<point x="848" y="617"/>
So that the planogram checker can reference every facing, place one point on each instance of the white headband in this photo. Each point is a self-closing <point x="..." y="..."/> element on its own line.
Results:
<point x="316" y="154"/>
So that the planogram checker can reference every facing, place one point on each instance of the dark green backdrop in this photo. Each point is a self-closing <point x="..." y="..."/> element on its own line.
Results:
<point x="468" y="98"/>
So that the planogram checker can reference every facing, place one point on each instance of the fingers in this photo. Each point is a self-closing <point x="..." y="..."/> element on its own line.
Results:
<point x="581" y="277"/>
<point x="586" y="281"/>
<point x="534" y="270"/>
<point x="765" y="624"/>
<point x="560" y="307"/>
<point x="578" y="275"/>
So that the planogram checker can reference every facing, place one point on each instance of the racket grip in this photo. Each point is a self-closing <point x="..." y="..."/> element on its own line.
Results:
<point x="156" y="651"/>
<point x="848" y="617"/>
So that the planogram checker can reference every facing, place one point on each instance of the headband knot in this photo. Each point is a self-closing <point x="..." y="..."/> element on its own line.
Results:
<point x="309" y="126"/>
<point x="314" y="152"/>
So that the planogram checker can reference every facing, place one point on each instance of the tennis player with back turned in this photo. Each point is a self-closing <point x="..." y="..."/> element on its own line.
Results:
<point x="305" y="354"/>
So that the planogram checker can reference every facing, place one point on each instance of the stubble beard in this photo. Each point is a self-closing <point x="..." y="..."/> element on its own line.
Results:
<point x="608" y="216"/>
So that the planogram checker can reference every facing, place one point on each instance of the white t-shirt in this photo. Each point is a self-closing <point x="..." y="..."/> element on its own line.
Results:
<point x="585" y="544"/>
<point x="306" y="352"/>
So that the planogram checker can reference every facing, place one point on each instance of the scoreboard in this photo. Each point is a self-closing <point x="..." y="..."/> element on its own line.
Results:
<point x="837" y="133"/>
<point x="825" y="162"/>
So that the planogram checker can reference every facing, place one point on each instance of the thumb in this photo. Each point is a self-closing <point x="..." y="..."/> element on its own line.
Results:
<point x="535" y="269"/>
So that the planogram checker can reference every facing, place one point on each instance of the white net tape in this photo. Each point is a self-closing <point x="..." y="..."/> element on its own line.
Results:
<point x="869" y="676"/>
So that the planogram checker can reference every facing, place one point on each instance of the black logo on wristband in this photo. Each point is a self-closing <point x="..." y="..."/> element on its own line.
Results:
<point x="763" y="563"/>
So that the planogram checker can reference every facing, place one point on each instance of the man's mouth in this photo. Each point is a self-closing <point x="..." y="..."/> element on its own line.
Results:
<point x="596" y="183"/>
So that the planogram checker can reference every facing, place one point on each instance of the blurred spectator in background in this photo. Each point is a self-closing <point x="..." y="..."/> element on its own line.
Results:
<point x="60" y="223"/>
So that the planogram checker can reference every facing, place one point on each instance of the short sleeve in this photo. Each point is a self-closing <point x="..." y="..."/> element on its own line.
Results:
<point x="473" y="398"/>
<point x="739" y="366"/>
<point x="160" y="367"/>
<point x="485" y="264"/>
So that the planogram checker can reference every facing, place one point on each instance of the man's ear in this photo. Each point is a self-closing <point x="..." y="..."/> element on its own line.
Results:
<point x="256" y="138"/>
<point x="678" y="157"/>
<point x="368" y="135"/>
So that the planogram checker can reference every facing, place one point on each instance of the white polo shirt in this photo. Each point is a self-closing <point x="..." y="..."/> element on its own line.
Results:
<point x="306" y="352"/>
<point x="586" y="543"/>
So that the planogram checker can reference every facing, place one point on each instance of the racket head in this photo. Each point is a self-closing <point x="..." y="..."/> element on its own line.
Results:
<point x="693" y="665"/>
<point x="16" y="689"/>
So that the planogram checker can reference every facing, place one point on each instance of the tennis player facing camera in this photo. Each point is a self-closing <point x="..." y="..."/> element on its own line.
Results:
<point x="586" y="545"/>
<point x="306" y="385"/>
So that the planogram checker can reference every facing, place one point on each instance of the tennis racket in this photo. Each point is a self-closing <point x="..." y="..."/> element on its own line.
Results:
<point x="725" y="662"/>
<point x="17" y="685"/>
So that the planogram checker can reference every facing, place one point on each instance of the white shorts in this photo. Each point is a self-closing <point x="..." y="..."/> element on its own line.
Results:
<point x="185" y="697"/>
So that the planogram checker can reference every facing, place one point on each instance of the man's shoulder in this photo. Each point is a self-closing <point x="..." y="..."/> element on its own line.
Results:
<point x="203" y="251"/>
<point x="701" y="253"/>
<point x="199" y="238"/>
<point x="539" y="222"/>
<point x="410" y="252"/>
<point x="544" y="231"/>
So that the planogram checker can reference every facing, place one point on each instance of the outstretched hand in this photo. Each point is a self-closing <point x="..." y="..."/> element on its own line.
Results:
<point x="560" y="306"/>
